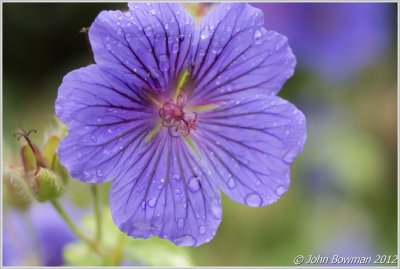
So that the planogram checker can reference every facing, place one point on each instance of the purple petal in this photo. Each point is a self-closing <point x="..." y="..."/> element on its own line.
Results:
<point x="235" y="54"/>
<point x="148" y="45"/>
<point x="167" y="195"/>
<point x="249" y="144"/>
<point x="107" y="120"/>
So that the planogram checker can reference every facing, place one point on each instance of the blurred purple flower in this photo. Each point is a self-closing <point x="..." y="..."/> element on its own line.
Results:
<point x="335" y="40"/>
<point x="35" y="237"/>
<point x="171" y="114"/>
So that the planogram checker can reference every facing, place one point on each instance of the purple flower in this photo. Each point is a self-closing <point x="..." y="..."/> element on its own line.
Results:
<point x="37" y="236"/>
<point x="172" y="114"/>
<point x="334" y="40"/>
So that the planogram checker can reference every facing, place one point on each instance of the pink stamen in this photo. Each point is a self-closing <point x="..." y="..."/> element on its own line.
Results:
<point x="175" y="119"/>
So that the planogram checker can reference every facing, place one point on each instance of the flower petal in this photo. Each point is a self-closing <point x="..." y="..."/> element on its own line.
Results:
<point x="107" y="120"/>
<point x="149" y="45"/>
<point x="167" y="195"/>
<point x="235" y="54"/>
<point x="249" y="143"/>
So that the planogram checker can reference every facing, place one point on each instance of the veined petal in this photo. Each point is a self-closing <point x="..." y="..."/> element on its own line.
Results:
<point x="107" y="121"/>
<point x="235" y="54"/>
<point x="149" y="45"/>
<point x="167" y="194"/>
<point x="249" y="143"/>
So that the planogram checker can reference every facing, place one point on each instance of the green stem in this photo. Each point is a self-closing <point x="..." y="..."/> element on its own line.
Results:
<point x="97" y="212"/>
<point x="75" y="229"/>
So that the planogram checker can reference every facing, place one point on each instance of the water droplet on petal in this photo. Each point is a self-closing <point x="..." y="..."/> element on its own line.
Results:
<point x="152" y="202"/>
<point x="204" y="34"/>
<point x="128" y="14"/>
<point x="231" y="183"/>
<point x="178" y="191"/>
<point x="253" y="199"/>
<point x="148" y="31"/>
<point x="280" y="190"/>
<point x="216" y="209"/>
<point x="290" y="155"/>
<point x="257" y="37"/>
<point x="202" y="52"/>
<point x="99" y="172"/>
<point x="175" y="48"/>
<point x="176" y="177"/>
<point x="193" y="184"/>
<point x="143" y="205"/>
<point x="164" y="64"/>
<point x="202" y="229"/>
<point x="185" y="240"/>
<point x="162" y="180"/>
<point x="152" y="11"/>
<point x="181" y="222"/>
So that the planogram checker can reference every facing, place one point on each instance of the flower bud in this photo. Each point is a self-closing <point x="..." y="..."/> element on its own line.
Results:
<point x="16" y="191"/>
<point x="47" y="185"/>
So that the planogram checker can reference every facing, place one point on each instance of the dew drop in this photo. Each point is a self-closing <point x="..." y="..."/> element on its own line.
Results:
<point x="280" y="190"/>
<point x="175" y="48"/>
<point x="143" y="205"/>
<point x="253" y="199"/>
<point x="148" y="31"/>
<point x="185" y="240"/>
<point x="193" y="184"/>
<point x="164" y="64"/>
<point x="216" y="209"/>
<point x="204" y="34"/>
<point x="177" y="177"/>
<point x="202" y="229"/>
<point x="202" y="52"/>
<point x="152" y="11"/>
<point x="216" y="48"/>
<point x="99" y="172"/>
<point x="178" y="191"/>
<point x="181" y="222"/>
<point x="257" y="37"/>
<point x="290" y="155"/>
<point x="162" y="180"/>
<point x="152" y="202"/>
<point x="231" y="183"/>
<point x="128" y="14"/>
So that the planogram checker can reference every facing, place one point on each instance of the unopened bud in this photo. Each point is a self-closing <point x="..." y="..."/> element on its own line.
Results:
<point x="47" y="185"/>
<point x="16" y="191"/>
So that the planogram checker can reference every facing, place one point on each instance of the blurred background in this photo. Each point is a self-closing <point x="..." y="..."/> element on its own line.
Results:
<point x="343" y="195"/>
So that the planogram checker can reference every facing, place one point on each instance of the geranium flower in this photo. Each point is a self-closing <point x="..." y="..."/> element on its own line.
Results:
<point x="172" y="114"/>
<point x="345" y="37"/>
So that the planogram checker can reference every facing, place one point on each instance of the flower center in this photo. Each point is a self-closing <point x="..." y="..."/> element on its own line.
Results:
<point x="176" y="119"/>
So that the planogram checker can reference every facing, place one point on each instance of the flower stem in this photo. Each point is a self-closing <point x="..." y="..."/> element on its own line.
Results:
<point x="97" y="212"/>
<point x="92" y="245"/>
